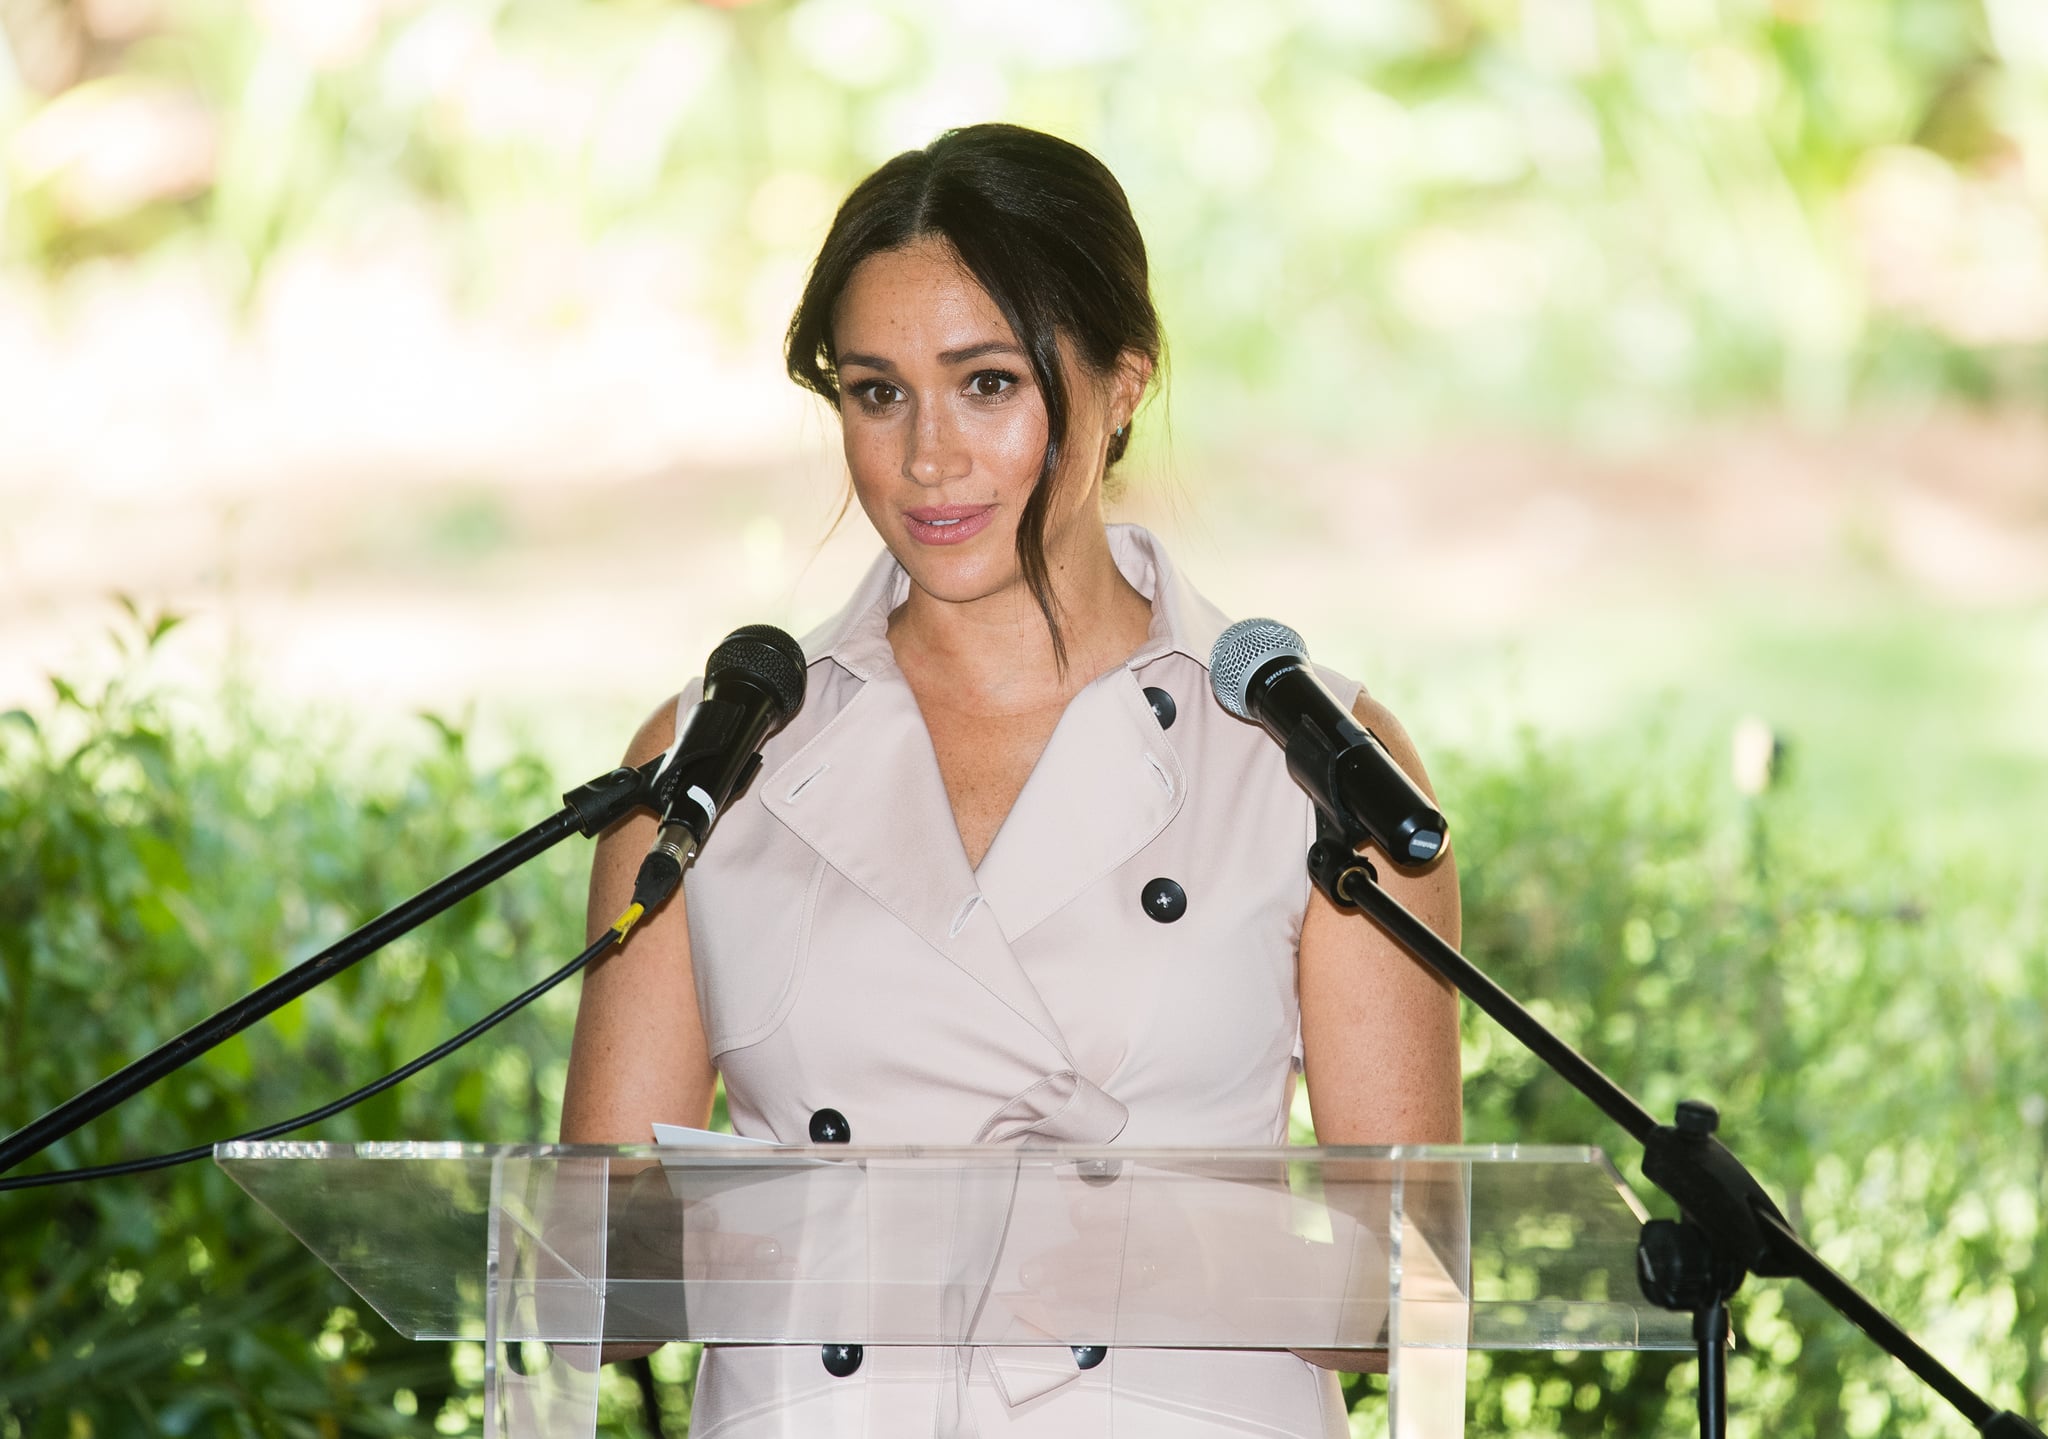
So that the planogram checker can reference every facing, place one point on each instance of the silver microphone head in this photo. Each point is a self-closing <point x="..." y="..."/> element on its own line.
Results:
<point x="1241" y="651"/>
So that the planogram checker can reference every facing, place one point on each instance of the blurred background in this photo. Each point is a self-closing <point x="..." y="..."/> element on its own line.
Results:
<point x="1645" y="397"/>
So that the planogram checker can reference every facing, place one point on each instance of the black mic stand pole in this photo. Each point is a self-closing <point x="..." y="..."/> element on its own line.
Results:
<point x="1730" y="1228"/>
<point x="586" y="810"/>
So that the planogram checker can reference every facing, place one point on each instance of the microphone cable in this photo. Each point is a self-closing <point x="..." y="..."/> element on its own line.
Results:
<point x="615" y="935"/>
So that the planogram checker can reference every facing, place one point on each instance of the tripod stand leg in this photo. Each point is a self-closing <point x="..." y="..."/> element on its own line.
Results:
<point x="1710" y="1334"/>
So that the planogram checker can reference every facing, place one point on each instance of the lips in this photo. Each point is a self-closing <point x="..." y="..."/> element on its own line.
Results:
<point x="947" y="524"/>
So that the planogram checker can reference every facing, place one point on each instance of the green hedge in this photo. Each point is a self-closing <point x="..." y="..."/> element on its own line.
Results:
<point x="1870" y="1026"/>
<point x="158" y="864"/>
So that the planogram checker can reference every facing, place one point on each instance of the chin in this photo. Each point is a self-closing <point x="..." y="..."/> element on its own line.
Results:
<point x="963" y="578"/>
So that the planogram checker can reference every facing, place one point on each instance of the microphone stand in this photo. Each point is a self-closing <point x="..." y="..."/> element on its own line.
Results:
<point x="587" y="810"/>
<point x="1729" y="1229"/>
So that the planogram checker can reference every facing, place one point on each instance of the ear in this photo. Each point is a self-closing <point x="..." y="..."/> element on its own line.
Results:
<point x="1127" y="385"/>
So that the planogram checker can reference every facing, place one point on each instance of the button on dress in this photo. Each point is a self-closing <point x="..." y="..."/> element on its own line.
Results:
<point x="849" y="960"/>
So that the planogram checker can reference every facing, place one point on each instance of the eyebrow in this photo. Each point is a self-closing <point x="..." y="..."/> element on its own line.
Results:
<point x="946" y="357"/>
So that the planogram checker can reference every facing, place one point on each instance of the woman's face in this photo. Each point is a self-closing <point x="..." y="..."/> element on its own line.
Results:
<point x="945" y="429"/>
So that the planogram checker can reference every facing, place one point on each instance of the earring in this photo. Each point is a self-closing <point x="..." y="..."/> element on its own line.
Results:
<point x="1121" y="428"/>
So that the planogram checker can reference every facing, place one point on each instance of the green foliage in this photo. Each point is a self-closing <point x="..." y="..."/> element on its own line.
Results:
<point x="1869" y="1027"/>
<point x="1868" y="1024"/>
<point x="1372" y="214"/>
<point x="156" y="868"/>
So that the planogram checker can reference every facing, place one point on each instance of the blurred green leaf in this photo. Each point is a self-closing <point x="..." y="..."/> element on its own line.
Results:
<point x="1373" y="217"/>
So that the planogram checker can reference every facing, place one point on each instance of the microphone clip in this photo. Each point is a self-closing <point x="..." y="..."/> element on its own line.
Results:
<point x="1333" y="857"/>
<point x="598" y="804"/>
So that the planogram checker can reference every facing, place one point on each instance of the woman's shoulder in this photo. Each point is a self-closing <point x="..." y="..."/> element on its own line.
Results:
<point x="658" y="731"/>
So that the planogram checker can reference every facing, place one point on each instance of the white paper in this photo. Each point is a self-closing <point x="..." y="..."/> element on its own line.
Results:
<point x="682" y="1137"/>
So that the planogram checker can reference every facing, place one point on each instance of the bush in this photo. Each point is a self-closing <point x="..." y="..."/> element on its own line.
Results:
<point x="1869" y="1026"/>
<point x="156" y="868"/>
<point x="1867" y="1023"/>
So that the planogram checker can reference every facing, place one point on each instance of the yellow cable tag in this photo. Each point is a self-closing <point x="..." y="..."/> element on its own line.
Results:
<point x="627" y="920"/>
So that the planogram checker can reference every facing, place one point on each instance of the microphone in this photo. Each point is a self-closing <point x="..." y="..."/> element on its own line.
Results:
<point x="1259" y="670"/>
<point x="753" y="684"/>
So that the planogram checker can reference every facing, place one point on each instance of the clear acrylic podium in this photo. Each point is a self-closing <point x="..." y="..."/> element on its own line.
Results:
<point x="546" y="1252"/>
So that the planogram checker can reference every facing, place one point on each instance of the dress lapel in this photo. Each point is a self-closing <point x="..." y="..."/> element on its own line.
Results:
<point x="866" y="795"/>
<point x="1106" y="785"/>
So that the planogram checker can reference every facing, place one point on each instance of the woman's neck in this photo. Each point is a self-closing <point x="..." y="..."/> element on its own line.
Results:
<point x="995" y="654"/>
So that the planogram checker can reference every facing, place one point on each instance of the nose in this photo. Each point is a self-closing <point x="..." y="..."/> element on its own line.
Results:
<point x="936" y="451"/>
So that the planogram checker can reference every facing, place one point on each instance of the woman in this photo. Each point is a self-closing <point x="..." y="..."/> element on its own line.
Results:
<point x="1010" y="873"/>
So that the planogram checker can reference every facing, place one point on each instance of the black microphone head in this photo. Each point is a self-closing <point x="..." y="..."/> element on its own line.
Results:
<point x="1241" y="652"/>
<point x="767" y="657"/>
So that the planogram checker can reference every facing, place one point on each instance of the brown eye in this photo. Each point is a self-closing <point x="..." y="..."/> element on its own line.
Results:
<point x="990" y="383"/>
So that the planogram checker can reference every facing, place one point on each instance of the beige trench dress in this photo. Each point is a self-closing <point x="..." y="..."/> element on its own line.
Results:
<point x="848" y="958"/>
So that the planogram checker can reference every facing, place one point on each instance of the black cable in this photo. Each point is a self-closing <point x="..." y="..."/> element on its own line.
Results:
<point x="439" y="1052"/>
<point x="39" y="1134"/>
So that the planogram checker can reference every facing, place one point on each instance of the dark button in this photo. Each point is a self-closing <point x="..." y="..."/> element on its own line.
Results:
<point x="1098" y="1171"/>
<point x="1162" y="706"/>
<point x="1164" y="900"/>
<point x="829" y="1126"/>
<point x="1087" y="1356"/>
<point x="841" y="1359"/>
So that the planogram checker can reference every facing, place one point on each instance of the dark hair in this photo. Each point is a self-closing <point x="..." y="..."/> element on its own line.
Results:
<point x="1047" y="231"/>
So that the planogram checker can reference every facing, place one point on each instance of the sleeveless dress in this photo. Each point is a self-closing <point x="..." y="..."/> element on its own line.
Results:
<point x="1120" y="967"/>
